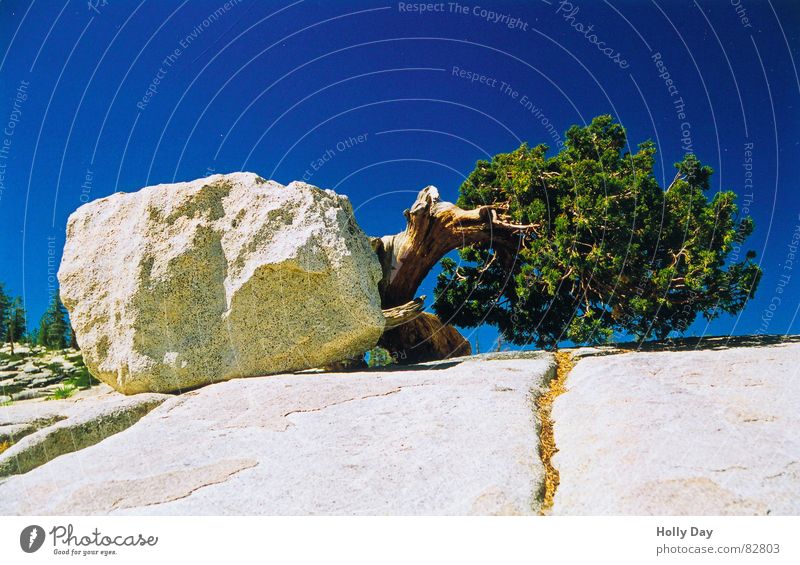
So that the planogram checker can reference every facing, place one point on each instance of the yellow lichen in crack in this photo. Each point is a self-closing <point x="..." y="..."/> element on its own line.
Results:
<point x="547" y="442"/>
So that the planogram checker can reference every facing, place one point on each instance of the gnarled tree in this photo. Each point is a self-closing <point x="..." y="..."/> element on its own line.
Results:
<point x="578" y="246"/>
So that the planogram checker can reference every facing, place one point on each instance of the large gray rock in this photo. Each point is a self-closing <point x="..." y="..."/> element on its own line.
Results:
<point x="181" y="285"/>
<point x="681" y="433"/>
<point x="448" y="438"/>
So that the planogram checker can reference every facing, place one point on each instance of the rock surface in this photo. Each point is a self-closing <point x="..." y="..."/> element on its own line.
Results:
<point x="447" y="438"/>
<point x="37" y="372"/>
<point x="681" y="433"/>
<point x="181" y="285"/>
<point x="42" y="431"/>
<point x="666" y="432"/>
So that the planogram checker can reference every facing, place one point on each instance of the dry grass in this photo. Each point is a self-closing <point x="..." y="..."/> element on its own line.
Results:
<point x="547" y="442"/>
<point x="4" y="445"/>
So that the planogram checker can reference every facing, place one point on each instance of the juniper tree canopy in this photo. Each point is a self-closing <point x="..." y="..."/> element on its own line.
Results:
<point x="577" y="246"/>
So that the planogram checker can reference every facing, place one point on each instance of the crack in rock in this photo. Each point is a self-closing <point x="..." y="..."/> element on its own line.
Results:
<point x="153" y="490"/>
<point x="376" y="395"/>
<point x="547" y="442"/>
<point x="323" y="407"/>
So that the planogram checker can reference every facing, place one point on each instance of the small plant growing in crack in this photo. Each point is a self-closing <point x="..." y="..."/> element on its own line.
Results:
<point x="547" y="441"/>
<point x="64" y="392"/>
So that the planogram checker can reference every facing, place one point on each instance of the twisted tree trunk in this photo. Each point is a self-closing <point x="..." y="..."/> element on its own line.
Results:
<point x="434" y="228"/>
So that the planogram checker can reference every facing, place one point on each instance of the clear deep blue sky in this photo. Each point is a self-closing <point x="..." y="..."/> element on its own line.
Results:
<point x="271" y="87"/>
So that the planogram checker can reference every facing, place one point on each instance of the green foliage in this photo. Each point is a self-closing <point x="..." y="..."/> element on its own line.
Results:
<point x="15" y="321"/>
<point x="379" y="357"/>
<point x="5" y="305"/>
<point x="53" y="367"/>
<point x="54" y="327"/>
<point x="64" y="391"/>
<point x="10" y="357"/>
<point x="41" y="333"/>
<point x="610" y="251"/>
<point x="82" y="378"/>
<point x="13" y="324"/>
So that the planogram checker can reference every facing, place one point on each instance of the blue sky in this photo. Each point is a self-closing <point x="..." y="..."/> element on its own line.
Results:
<point x="115" y="95"/>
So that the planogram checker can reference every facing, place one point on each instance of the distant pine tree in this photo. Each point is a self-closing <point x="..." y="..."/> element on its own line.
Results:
<point x="16" y="323"/>
<point x="56" y="324"/>
<point x="5" y="305"/>
<point x="41" y="334"/>
<point x="33" y="336"/>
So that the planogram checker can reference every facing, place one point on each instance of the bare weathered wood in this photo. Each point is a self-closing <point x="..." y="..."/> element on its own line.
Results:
<point x="399" y="315"/>
<point x="433" y="229"/>
<point x="424" y="338"/>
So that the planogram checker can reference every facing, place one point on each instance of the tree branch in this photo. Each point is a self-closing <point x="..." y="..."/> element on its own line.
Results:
<point x="678" y="176"/>
<point x="434" y="228"/>
<point x="399" y="315"/>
